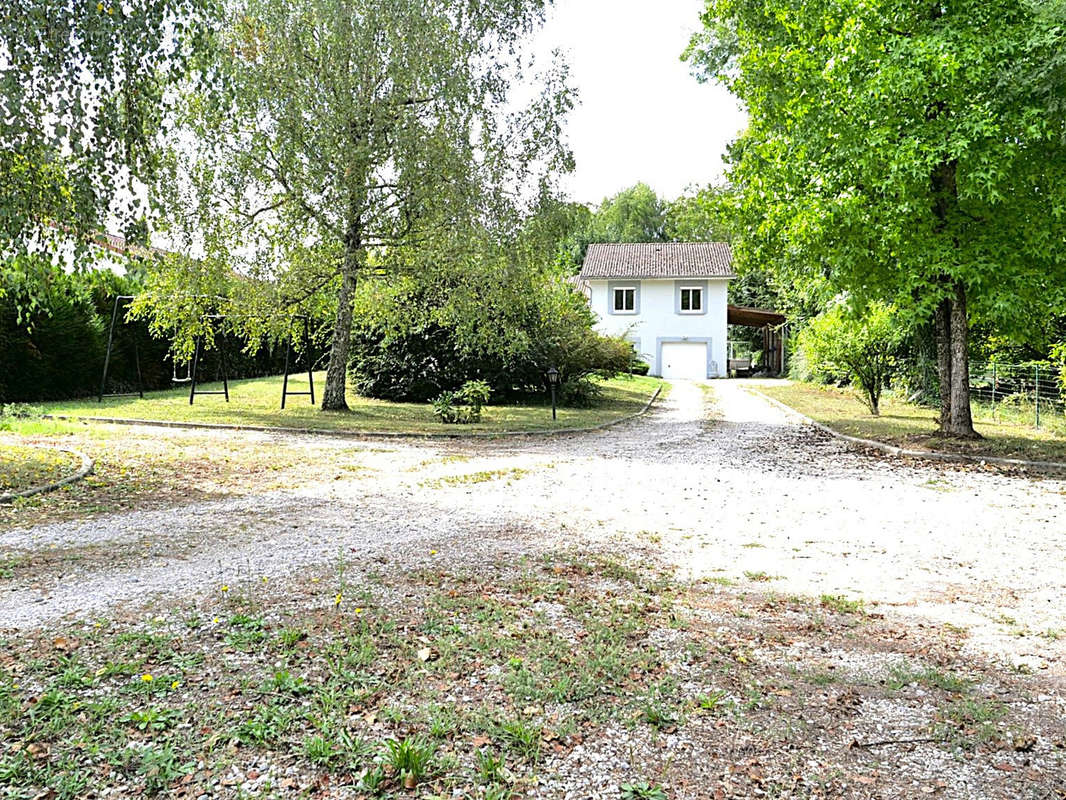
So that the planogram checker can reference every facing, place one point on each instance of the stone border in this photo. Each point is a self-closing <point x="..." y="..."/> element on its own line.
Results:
<point x="87" y="465"/>
<point x="348" y="434"/>
<point x="927" y="455"/>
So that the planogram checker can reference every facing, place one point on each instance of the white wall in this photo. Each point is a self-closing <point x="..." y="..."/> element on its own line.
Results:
<point x="658" y="318"/>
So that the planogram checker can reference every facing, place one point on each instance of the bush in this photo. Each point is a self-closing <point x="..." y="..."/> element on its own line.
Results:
<point x="395" y="358"/>
<point x="463" y="406"/>
<point x="839" y="347"/>
<point x="639" y="368"/>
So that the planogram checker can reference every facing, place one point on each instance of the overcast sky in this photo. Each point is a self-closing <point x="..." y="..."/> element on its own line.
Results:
<point x="642" y="116"/>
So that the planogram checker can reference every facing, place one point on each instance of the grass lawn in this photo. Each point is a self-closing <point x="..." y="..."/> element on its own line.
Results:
<point x="912" y="426"/>
<point x="23" y="467"/>
<point x="257" y="402"/>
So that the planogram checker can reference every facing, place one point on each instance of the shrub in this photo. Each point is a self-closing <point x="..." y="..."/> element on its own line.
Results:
<point x="394" y="358"/>
<point x="838" y="346"/>
<point x="639" y="368"/>
<point x="464" y="406"/>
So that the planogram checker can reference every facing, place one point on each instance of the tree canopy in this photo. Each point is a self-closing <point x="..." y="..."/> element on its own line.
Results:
<point x="348" y="133"/>
<point x="84" y="98"/>
<point x="884" y="158"/>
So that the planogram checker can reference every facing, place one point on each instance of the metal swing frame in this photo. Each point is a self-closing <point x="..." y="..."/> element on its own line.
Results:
<point x="194" y="365"/>
<point x="119" y="299"/>
<point x="285" y="393"/>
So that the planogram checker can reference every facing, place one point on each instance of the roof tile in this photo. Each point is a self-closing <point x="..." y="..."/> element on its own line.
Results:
<point x="658" y="260"/>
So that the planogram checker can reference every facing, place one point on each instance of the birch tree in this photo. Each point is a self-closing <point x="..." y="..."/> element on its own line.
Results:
<point x="347" y="132"/>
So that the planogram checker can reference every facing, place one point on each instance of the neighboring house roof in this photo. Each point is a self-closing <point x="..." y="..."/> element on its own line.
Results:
<point x="658" y="260"/>
<point x="118" y="244"/>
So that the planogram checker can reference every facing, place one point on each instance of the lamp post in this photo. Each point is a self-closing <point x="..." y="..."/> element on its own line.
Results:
<point x="553" y="381"/>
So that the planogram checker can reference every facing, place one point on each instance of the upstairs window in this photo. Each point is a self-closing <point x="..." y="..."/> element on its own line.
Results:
<point x="691" y="300"/>
<point x="625" y="300"/>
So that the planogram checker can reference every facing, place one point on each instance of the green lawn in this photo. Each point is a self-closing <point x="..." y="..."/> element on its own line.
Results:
<point x="912" y="426"/>
<point x="258" y="401"/>
<point x="22" y="467"/>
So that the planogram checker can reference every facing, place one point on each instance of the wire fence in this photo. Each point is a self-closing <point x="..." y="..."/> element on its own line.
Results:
<point x="1026" y="394"/>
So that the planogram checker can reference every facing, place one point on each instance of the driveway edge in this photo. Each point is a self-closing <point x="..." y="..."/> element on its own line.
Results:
<point x="87" y="465"/>
<point x="927" y="455"/>
<point x="346" y="434"/>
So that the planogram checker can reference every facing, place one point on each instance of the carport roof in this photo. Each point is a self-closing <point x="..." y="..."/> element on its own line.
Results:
<point x="658" y="260"/>
<point x="756" y="317"/>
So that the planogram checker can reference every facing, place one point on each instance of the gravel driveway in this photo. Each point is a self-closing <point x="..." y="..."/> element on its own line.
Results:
<point x="716" y="480"/>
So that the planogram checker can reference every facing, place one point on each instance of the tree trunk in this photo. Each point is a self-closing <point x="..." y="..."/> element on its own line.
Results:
<point x="942" y="334"/>
<point x="333" y="398"/>
<point x="960" y="422"/>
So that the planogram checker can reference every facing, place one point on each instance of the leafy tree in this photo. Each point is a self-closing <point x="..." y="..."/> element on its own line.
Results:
<point x="838" y="344"/>
<point x="506" y="317"/>
<point x="706" y="215"/>
<point x="635" y="214"/>
<point x="84" y="102"/>
<point x="352" y="133"/>
<point x="884" y="158"/>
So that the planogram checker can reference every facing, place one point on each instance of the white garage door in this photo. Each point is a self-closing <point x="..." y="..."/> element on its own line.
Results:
<point x="684" y="361"/>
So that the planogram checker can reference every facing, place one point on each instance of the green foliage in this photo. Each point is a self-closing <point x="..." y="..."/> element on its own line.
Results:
<point x="635" y="214"/>
<point x="1058" y="356"/>
<point x="902" y="153"/>
<point x="641" y="790"/>
<point x="463" y="406"/>
<point x="340" y="148"/>
<point x="839" y="346"/>
<point x="411" y="758"/>
<point x="706" y="215"/>
<point x="160" y="766"/>
<point x="86" y="93"/>
<point x="935" y="176"/>
<point x="415" y="341"/>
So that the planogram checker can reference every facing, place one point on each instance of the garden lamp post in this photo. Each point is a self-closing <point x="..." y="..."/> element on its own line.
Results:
<point x="553" y="381"/>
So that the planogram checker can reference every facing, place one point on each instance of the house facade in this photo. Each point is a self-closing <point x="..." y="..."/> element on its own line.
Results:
<point x="668" y="299"/>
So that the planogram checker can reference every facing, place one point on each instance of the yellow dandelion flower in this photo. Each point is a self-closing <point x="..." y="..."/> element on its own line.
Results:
<point x="337" y="599"/>
<point x="217" y="620"/>
<point x="147" y="678"/>
<point x="433" y="552"/>
<point x="225" y="588"/>
<point x="358" y="611"/>
<point x="175" y="684"/>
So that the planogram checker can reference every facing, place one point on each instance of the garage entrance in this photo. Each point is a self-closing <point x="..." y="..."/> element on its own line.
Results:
<point x="684" y="361"/>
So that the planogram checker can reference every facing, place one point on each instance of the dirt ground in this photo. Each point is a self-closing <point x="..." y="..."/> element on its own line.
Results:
<point x="713" y="601"/>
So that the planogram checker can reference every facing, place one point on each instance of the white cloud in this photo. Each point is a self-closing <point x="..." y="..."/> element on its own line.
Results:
<point x="642" y="116"/>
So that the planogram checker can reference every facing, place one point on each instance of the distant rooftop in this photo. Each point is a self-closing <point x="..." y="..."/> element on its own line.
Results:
<point x="658" y="260"/>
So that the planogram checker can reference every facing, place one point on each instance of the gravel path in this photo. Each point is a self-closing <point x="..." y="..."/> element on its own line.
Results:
<point x="751" y="495"/>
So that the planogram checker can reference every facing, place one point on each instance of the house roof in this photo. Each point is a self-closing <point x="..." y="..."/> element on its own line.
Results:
<point x="658" y="260"/>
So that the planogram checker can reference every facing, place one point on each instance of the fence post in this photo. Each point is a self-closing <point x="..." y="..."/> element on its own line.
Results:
<point x="1036" y="372"/>
<point x="995" y="380"/>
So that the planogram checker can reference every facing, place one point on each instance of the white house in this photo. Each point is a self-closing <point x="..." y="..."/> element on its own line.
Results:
<point x="669" y="299"/>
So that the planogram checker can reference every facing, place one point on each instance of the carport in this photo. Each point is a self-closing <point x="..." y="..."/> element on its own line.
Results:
<point x="772" y="325"/>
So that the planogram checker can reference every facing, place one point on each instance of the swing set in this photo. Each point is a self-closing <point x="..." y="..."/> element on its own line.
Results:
<point x="191" y="368"/>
